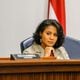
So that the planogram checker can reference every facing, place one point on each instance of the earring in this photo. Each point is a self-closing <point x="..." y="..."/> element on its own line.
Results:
<point x="40" y="40"/>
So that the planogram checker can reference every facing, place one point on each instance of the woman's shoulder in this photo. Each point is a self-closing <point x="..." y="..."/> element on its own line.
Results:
<point x="32" y="48"/>
<point x="62" y="51"/>
<point x="61" y="48"/>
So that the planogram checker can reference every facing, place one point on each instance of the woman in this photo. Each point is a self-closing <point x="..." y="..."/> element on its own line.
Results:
<point x="48" y="40"/>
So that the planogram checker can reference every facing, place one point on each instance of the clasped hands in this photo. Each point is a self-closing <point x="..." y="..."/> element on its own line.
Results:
<point x="49" y="52"/>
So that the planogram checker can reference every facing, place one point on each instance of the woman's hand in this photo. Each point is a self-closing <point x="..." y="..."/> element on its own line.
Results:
<point x="49" y="51"/>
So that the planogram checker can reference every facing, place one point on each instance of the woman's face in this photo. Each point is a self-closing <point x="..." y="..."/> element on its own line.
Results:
<point x="49" y="36"/>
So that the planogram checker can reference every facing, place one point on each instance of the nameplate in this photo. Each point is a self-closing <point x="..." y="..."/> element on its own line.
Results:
<point x="23" y="56"/>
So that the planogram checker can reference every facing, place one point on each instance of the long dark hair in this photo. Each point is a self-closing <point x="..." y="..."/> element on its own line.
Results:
<point x="43" y="25"/>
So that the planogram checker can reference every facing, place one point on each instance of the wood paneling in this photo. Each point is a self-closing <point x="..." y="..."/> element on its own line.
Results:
<point x="39" y="69"/>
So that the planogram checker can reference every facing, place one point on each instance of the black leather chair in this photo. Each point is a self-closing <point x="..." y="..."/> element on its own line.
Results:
<point x="71" y="45"/>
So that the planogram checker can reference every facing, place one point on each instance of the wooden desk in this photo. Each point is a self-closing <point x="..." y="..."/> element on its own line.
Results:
<point x="39" y="69"/>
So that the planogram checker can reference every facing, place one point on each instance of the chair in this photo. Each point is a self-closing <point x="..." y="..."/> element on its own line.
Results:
<point x="71" y="45"/>
<point x="26" y="43"/>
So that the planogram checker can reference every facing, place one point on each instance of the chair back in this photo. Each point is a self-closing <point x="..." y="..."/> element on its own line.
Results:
<point x="72" y="46"/>
<point x="26" y="43"/>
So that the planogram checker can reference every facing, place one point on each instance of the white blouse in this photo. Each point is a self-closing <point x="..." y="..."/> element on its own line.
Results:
<point x="60" y="53"/>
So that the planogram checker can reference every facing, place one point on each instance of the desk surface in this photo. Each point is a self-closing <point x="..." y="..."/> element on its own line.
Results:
<point x="41" y="61"/>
